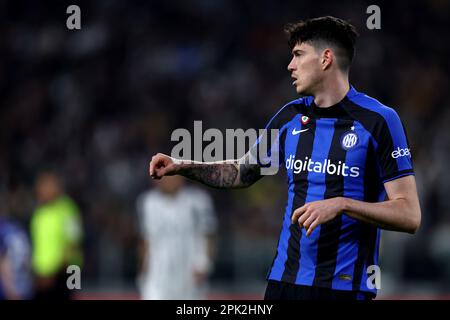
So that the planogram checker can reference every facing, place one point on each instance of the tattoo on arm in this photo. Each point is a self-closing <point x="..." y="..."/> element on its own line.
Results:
<point x="217" y="175"/>
<point x="222" y="175"/>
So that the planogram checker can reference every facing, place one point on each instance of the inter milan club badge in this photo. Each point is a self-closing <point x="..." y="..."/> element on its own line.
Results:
<point x="304" y="120"/>
<point x="349" y="140"/>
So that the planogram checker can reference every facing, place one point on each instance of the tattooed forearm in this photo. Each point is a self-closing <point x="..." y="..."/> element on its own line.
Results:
<point x="226" y="174"/>
<point x="220" y="175"/>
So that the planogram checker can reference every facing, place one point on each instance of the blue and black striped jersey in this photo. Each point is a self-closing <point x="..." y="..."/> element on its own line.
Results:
<point x="349" y="149"/>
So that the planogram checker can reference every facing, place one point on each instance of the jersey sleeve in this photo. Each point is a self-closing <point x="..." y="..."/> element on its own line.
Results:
<point x="268" y="151"/>
<point x="393" y="150"/>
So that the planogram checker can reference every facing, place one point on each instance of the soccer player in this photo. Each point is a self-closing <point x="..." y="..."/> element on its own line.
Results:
<point x="178" y="223"/>
<point x="349" y="172"/>
<point x="56" y="236"/>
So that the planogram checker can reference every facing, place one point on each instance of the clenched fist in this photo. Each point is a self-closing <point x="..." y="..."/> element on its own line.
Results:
<point x="162" y="165"/>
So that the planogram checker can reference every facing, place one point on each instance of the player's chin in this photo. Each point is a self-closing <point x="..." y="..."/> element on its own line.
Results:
<point x="302" y="91"/>
<point x="299" y="90"/>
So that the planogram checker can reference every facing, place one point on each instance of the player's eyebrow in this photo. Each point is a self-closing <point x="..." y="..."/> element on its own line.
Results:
<point x="297" y="51"/>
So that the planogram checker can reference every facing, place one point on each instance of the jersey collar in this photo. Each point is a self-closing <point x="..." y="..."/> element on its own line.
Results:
<point x="334" y="111"/>
<point x="351" y="92"/>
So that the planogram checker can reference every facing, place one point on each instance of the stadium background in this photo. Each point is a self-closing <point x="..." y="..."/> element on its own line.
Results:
<point x="97" y="103"/>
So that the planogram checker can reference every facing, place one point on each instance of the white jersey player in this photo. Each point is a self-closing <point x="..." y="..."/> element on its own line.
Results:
<point x="177" y="223"/>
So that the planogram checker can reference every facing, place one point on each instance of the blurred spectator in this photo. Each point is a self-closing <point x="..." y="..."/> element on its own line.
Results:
<point x="15" y="261"/>
<point x="178" y="224"/>
<point x="56" y="233"/>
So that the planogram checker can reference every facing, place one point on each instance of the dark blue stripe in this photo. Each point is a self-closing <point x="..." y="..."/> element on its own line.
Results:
<point x="277" y="270"/>
<point x="316" y="190"/>
<point x="328" y="241"/>
<point x="303" y="152"/>
<point x="354" y="189"/>
<point x="372" y="234"/>
<point x="367" y="233"/>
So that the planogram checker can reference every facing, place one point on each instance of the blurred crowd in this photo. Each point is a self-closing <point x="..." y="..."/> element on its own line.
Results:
<point x="93" y="105"/>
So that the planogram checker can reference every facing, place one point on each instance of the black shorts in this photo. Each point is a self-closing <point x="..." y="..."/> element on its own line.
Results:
<point x="277" y="290"/>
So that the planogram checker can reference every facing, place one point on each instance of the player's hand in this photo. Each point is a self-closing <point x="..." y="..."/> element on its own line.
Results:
<point x="162" y="165"/>
<point x="316" y="213"/>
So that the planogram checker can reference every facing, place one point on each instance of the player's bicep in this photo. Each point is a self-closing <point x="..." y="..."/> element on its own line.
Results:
<point x="402" y="188"/>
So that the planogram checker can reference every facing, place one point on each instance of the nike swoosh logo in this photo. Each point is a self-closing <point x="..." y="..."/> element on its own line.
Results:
<point x="294" y="132"/>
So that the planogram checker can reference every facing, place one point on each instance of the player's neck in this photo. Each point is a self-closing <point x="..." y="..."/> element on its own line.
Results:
<point x="332" y="91"/>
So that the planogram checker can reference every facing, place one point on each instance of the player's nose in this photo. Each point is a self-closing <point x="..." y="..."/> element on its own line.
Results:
<point x="291" y="65"/>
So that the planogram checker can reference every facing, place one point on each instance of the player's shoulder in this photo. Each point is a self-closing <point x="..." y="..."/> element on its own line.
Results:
<point x="289" y="110"/>
<point x="371" y="107"/>
<point x="146" y="197"/>
<point x="296" y="104"/>
<point x="69" y="205"/>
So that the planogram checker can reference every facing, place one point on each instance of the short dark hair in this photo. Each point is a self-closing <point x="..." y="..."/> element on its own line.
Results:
<point x="328" y="30"/>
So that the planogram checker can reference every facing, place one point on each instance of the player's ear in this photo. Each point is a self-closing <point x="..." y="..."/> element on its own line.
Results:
<point x="327" y="58"/>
